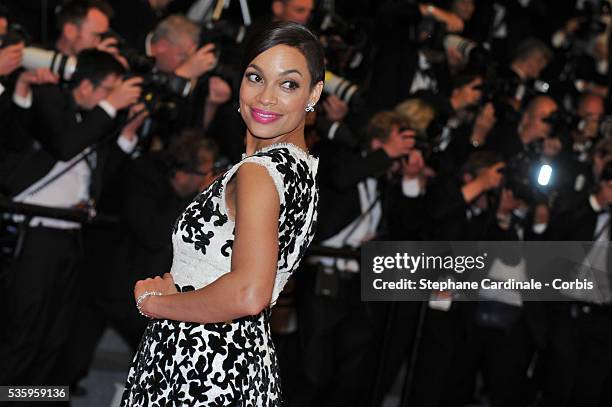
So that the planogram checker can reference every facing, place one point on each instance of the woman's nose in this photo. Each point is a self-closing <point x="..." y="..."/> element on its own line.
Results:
<point x="267" y="96"/>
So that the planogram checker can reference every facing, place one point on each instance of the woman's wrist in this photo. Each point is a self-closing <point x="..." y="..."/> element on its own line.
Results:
<point x="144" y="303"/>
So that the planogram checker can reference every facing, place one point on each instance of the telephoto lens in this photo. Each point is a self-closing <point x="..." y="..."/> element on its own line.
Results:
<point x="337" y="85"/>
<point x="58" y="63"/>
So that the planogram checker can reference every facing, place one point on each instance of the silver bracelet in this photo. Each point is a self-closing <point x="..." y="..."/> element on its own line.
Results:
<point x="142" y="297"/>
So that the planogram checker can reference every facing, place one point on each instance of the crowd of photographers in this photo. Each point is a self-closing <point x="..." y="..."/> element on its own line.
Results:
<point x="452" y="120"/>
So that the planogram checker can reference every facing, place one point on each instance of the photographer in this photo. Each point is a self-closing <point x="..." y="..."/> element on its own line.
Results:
<point x="404" y="65"/>
<point x="156" y="188"/>
<point x="582" y="45"/>
<point x="578" y="357"/>
<point x="533" y="127"/>
<point x="61" y="168"/>
<point x="10" y="60"/>
<point x="81" y="24"/>
<point x="336" y="328"/>
<point x="459" y="208"/>
<point x="582" y="129"/>
<point x="529" y="59"/>
<point x="462" y="122"/>
<point x="173" y="45"/>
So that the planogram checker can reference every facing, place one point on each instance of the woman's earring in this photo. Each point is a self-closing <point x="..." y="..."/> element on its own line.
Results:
<point x="238" y="110"/>
<point x="310" y="107"/>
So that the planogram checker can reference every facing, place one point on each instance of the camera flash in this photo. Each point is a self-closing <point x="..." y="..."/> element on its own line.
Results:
<point x="544" y="174"/>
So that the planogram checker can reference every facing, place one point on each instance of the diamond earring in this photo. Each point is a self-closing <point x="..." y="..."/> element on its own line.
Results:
<point x="310" y="107"/>
<point x="238" y="110"/>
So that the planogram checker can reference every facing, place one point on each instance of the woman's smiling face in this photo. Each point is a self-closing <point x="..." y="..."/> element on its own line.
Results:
<point x="275" y="90"/>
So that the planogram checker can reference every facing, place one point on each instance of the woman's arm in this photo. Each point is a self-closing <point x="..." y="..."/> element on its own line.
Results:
<point x="247" y="289"/>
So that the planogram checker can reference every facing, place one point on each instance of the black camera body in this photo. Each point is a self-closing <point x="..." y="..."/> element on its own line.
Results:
<point x="564" y="123"/>
<point x="14" y="35"/>
<point x="159" y="89"/>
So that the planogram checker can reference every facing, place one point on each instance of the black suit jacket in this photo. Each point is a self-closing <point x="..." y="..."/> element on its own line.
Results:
<point x="149" y="208"/>
<point x="5" y="108"/>
<point x="397" y="58"/>
<point x="49" y="132"/>
<point x="340" y="171"/>
<point x="576" y="223"/>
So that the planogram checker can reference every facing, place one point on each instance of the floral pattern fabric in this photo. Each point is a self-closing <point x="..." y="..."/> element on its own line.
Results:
<point x="234" y="363"/>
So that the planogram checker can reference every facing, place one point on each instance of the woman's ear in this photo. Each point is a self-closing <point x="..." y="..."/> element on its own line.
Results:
<point x="315" y="94"/>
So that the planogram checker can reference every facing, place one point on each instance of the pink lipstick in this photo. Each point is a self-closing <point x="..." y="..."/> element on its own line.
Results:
<point x="264" y="116"/>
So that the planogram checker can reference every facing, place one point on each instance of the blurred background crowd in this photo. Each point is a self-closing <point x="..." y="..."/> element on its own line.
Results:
<point x="452" y="120"/>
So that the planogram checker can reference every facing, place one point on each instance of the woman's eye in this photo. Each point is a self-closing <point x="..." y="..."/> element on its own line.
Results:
<point x="290" y="85"/>
<point x="253" y="77"/>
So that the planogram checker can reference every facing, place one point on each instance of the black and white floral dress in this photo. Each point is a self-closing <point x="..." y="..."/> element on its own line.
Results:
<point x="234" y="363"/>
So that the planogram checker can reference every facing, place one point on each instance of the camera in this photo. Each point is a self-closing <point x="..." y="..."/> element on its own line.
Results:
<point x="158" y="88"/>
<point x="60" y="64"/>
<point x="429" y="35"/>
<point x="34" y="58"/>
<point x="14" y="35"/>
<point x="529" y="179"/>
<point x="564" y="123"/>
<point x="420" y="141"/>
<point x="345" y="43"/>
<point x="474" y="56"/>
<point x="337" y="85"/>
<point x="225" y="36"/>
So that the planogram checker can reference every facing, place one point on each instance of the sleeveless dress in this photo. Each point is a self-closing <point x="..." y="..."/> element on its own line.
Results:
<point x="232" y="363"/>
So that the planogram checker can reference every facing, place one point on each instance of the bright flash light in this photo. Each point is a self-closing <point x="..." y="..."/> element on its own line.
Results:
<point x="544" y="174"/>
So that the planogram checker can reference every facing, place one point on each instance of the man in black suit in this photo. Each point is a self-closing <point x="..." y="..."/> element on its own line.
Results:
<point x="173" y="45"/>
<point x="402" y="67"/>
<point x="577" y="156"/>
<point x="509" y="140"/>
<point x="81" y="24"/>
<point x="336" y="328"/>
<point x="155" y="189"/>
<point x="578" y="357"/>
<point x="10" y="60"/>
<point x="60" y="168"/>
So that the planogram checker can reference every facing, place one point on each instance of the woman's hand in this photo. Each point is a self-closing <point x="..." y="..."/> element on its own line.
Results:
<point x="164" y="285"/>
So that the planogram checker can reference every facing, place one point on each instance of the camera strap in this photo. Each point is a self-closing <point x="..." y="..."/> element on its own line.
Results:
<point x="48" y="182"/>
<point x="358" y="222"/>
<point x="85" y="154"/>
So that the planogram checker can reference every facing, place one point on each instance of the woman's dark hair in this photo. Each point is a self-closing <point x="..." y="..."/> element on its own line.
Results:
<point x="293" y="35"/>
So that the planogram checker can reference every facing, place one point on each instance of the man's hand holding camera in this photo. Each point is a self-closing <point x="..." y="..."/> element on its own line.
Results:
<point x="126" y="93"/>
<point x="335" y="108"/>
<point x="202" y="61"/>
<point x="111" y="45"/>
<point x="10" y="58"/>
<point x="452" y="21"/>
<point x="489" y="178"/>
<point x="136" y="116"/>
<point x="219" y="91"/>
<point x="399" y="144"/>
<point x="33" y="77"/>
